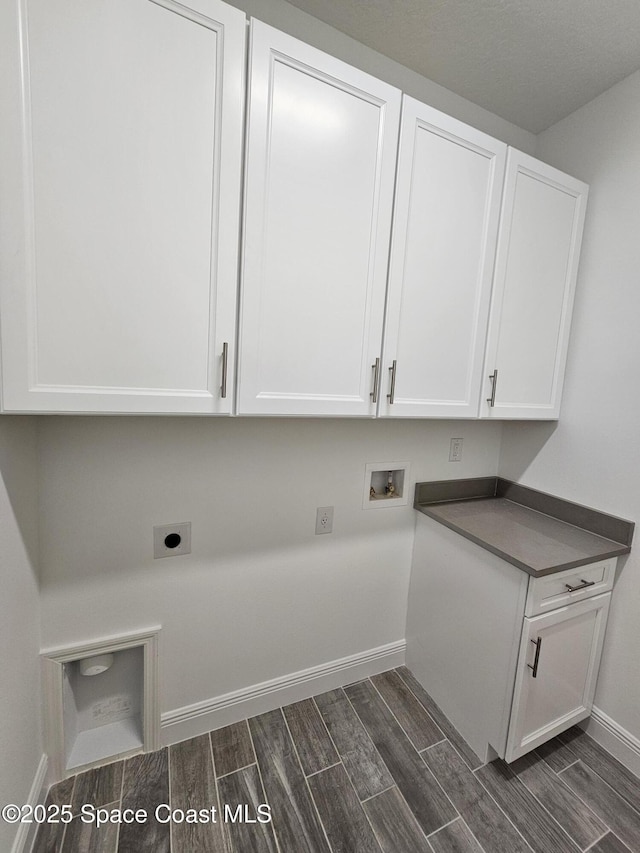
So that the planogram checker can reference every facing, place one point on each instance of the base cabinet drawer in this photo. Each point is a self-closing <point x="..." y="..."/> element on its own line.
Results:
<point x="552" y="591"/>
<point x="556" y="672"/>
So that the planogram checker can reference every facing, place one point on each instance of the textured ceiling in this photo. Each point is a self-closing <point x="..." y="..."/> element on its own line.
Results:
<point x="531" y="62"/>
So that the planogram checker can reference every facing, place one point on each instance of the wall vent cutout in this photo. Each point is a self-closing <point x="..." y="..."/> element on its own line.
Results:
<point x="101" y="701"/>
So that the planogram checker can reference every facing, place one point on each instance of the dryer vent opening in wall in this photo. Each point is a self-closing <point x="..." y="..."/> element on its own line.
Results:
<point x="171" y="540"/>
<point x="103" y="713"/>
<point x="101" y="701"/>
<point x="385" y="484"/>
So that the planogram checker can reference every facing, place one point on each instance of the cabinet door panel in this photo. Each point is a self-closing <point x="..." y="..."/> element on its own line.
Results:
<point x="134" y="118"/>
<point x="444" y="236"/>
<point x="536" y="270"/>
<point x="561" y="693"/>
<point x="320" y="163"/>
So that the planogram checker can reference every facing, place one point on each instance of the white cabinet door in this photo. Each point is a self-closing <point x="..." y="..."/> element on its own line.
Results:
<point x="536" y="267"/>
<point x="321" y="155"/>
<point x="556" y="674"/>
<point x="445" y="227"/>
<point x="132" y="122"/>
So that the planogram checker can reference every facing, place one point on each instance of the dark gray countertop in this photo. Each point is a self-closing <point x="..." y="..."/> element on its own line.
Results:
<point x="508" y="520"/>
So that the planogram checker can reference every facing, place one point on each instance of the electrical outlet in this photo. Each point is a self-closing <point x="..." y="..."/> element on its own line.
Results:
<point x="172" y="540"/>
<point x="324" y="519"/>
<point x="455" y="450"/>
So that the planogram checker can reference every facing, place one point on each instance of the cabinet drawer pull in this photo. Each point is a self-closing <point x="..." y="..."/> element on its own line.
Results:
<point x="494" y="382"/>
<point x="392" y="392"/>
<point x="376" y="372"/>
<point x="582" y="585"/>
<point x="538" y="644"/>
<point x="225" y="360"/>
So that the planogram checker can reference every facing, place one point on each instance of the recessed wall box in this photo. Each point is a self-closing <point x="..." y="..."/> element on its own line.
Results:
<point x="385" y="484"/>
<point x="97" y="713"/>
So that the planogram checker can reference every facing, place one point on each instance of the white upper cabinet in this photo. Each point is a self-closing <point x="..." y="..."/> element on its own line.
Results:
<point x="445" y="227"/>
<point x="536" y="267"/>
<point x="321" y="154"/>
<point x="123" y="143"/>
<point x="133" y="120"/>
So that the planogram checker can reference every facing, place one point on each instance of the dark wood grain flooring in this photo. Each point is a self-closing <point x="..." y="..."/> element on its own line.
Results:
<point x="245" y="832"/>
<point x="412" y="716"/>
<point x="285" y="786"/>
<point x="193" y="789"/>
<point x="362" y="761"/>
<point x="524" y="810"/>
<point x="232" y="748"/>
<point x="426" y="799"/>
<point x="556" y="754"/>
<point x="98" y="787"/>
<point x="455" y="837"/>
<point x="483" y="816"/>
<point x="606" y="766"/>
<point x="51" y="835"/>
<point x="315" y="747"/>
<point x="434" y="711"/>
<point x="577" y="819"/>
<point x="341" y="812"/>
<point x="394" y="824"/>
<point x="145" y="787"/>
<point x="601" y="798"/>
<point x="609" y="844"/>
<point x="90" y="836"/>
<point x="373" y="768"/>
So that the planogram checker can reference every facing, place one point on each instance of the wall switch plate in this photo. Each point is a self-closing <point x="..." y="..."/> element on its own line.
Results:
<point x="455" y="450"/>
<point x="324" y="520"/>
<point x="171" y="540"/>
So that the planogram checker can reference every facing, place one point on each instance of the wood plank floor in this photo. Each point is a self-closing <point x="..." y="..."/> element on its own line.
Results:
<point x="373" y="768"/>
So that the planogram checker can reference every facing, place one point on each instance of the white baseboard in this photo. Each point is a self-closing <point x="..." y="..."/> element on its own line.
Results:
<point x="618" y="741"/>
<point x="25" y="835"/>
<point x="197" y="719"/>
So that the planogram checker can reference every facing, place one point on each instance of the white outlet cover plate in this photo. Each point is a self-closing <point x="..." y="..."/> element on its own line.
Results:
<point x="324" y="520"/>
<point x="455" y="449"/>
<point x="160" y="533"/>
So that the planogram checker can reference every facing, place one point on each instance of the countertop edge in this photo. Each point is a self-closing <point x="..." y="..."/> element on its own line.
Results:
<point x="605" y="525"/>
<point x="616" y="551"/>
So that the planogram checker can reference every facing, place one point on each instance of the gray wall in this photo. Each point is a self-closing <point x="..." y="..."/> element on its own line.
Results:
<point x="20" y="715"/>
<point x="260" y="596"/>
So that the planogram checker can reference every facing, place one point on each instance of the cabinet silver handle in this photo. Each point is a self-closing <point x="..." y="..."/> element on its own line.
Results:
<point x="538" y="644"/>
<point x="376" y="374"/>
<point x="392" y="392"/>
<point x="225" y="359"/>
<point x="582" y="585"/>
<point x="494" y="382"/>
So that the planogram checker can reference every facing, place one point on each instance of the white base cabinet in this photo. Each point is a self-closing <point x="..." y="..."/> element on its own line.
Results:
<point x="556" y="673"/>
<point x="507" y="658"/>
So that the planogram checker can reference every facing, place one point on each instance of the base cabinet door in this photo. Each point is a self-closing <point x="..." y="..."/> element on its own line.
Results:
<point x="132" y="122"/>
<point x="535" y="275"/>
<point x="556" y="673"/>
<point x="320" y="168"/>
<point x="445" y="228"/>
